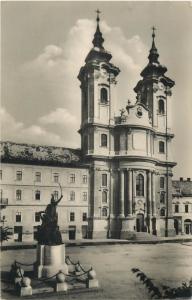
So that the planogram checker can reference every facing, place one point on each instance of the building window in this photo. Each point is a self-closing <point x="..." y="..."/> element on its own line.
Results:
<point x="104" y="212"/>
<point x="162" y="182"/>
<point x="72" y="178"/>
<point x="56" y="177"/>
<point x="56" y="195"/>
<point x="104" y="95"/>
<point x="186" y="208"/>
<point x="161" y="107"/>
<point x="19" y="175"/>
<point x="37" y="217"/>
<point x="18" y="194"/>
<point x="18" y="217"/>
<point x="38" y="176"/>
<point x="72" y="216"/>
<point x="84" y="196"/>
<point x="104" y="179"/>
<point x="84" y="178"/>
<point x="161" y="147"/>
<point x="162" y="212"/>
<point x="103" y="140"/>
<point x="1" y="174"/>
<point x="139" y="185"/>
<point x="162" y="197"/>
<point x="84" y="216"/>
<point x="176" y="208"/>
<point x="72" y="196"/>
<point x="104" y="196"/>
<point x="37" y="195"/>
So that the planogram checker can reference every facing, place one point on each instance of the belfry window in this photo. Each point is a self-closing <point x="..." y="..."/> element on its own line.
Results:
<point x="104" y="95"/>
<point x="104" y="212"/>
<point x="139" y="185"/>
<point x="161" y="106"/>
<point x="104" y="197"/>
<point x="162" y="212"/>
<point x="103" y="140"/>
<point x="161" y="147"/>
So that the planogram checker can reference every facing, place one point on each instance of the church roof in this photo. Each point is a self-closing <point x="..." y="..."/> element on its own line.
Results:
<point x="182" y="188"/>
<point x="11" y="152"/>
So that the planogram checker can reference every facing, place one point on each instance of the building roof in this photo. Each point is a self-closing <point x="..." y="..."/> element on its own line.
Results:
<point x="39" y="154"/>
<point x="182" y="188"/>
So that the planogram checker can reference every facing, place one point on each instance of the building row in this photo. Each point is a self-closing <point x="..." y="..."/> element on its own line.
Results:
<point x="120" y="181"/>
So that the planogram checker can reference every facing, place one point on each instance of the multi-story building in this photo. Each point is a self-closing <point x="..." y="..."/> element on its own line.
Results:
<point x="130" y="155"/>
<point x="30" y="174"/>
<point x="182" y="205"/>
<point x="126" y="159"/>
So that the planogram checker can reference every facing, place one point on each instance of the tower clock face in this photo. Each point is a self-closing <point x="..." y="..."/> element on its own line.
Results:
<point x="161" y="86"/>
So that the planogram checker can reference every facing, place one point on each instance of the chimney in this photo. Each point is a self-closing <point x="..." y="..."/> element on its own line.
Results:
<point x="188" y="179"/>
<point x="181" y="178"/>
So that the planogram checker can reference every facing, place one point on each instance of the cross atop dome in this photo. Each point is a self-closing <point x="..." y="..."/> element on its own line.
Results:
<point x="98" y="38"/>
<point x="98" y="12"/>
<point x="153" y="55"/>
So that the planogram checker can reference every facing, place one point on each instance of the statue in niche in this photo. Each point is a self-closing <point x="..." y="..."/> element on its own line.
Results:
<point x="48" y="232"/>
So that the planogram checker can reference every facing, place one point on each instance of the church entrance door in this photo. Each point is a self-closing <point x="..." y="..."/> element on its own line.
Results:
<point x="140" y="223"/>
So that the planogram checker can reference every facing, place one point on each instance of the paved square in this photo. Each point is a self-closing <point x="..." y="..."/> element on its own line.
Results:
<point x="169" y="264"/>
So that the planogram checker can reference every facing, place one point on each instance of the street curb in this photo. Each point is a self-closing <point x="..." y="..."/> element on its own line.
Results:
<point x="99" y="243"/>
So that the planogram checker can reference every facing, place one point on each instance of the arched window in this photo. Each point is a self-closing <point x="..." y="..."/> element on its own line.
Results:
<point x="104" y="95"/>
<point x="18" y="194"/>
<point x="161" y="107"/>
<point x="103" y="140"/>
<point x="56" y="195"/>
<point x="139" y="185"/>
<point x="72" y="196"/>
<point x="162" y="197"/>
<point x="37" y="195"/>
<point x="104" y="212"/>
<point x="161" y="147"/>
<point x="104" y="196"/>
<point x="162" y="212"/>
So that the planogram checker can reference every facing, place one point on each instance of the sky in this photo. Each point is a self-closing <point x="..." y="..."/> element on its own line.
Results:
<point x="44" y="44"/>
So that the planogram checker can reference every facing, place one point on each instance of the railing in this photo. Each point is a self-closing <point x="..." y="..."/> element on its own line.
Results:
<point x="3" y="201"/>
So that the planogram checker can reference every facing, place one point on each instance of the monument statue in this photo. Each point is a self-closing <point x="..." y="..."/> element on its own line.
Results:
<point x="48" y="232"/>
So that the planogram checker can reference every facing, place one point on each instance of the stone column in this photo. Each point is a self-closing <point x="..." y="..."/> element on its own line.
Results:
<point x="111" y="194"/>
<point x="148" y="200"/>
<point x="121" y="210"/>
<point x="130" y="192"/>
<point x="149" y="192"/>
<point x="153" y="195"/>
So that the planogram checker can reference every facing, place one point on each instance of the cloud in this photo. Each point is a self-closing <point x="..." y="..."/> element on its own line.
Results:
<point x="47" y="88"/>
<point x="60" y="116"/>
<point x="12" y="130"/>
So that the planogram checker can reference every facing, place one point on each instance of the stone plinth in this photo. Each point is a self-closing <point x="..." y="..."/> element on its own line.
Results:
<point x="128" y="230"/>
<point x="50" y="260"/>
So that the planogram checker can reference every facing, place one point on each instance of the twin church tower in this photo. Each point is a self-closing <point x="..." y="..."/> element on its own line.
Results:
<point x="130" y="154"/>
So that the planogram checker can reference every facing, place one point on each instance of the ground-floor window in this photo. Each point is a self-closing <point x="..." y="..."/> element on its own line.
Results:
<point x="18" y="230"/>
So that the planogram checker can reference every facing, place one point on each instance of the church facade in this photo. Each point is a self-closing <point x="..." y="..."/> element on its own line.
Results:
<point x="130" y="155"/>
<point x="124" y="167"/>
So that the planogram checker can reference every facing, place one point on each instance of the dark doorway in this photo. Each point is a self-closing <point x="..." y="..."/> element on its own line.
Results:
<point x="84" y="231"/>
<point x="176" y="226"/>
<point x="18" y="233"/>
<point x="72" y="232"/>
<point x="35" y="233"/>
<point x="154" y="230"/>
<point x="188" y="226"/>
<point x="140" y="223"/>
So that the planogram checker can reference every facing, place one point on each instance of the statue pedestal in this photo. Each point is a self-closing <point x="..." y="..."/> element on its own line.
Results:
<point x="50" y="260"/>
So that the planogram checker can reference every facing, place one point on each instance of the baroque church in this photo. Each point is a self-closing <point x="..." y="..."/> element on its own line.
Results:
<point x="129" y="155"/>
<point x="119" y="183"/>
